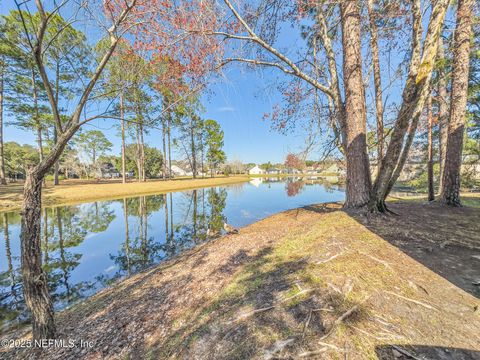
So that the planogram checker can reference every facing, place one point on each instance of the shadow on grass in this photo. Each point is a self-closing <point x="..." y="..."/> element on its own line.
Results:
<point x="407" y="352"/>
<point x="265" y="311"/>
<point x="446" y="240"/>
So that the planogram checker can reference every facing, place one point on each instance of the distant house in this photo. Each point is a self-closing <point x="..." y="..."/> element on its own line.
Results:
<point x="256" y="171"/>
<point x="178" y="171"/>
<point x="314" y="169"/>
<point x="273" y="171"/>
<point x="108" y="171"/>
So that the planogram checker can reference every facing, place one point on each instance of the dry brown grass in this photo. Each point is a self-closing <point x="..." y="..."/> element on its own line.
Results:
<point x="79" y="191"/>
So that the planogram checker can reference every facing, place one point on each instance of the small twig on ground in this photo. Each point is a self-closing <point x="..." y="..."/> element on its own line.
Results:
<point x="329" y="259"/>
<point x="278" y="346"/>
<point x="340" y="320"/>
<point x="383" y="262"/>
<point x="305" y="327"/>
<point x="367" y="333"/>
<point x="411" y="300"/>
<point x="324" y="309"/>
<point x="253" y="312"/>
<point x="405" y="352"/>
<point x="331" y="346"/>
<point x="312" y="353"/>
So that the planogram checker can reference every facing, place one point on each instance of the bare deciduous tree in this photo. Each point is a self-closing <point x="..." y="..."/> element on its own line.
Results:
<point x="35" y="286"/>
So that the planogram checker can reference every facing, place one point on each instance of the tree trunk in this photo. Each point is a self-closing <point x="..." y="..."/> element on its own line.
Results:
<point x="164" y="152"/>
<point x="192" y="148"/>
<point x="377" y="81"/>
<point x="56" y="166"/>
<point x="413" y="100"/>
<point x="431" y="190"/>
<point x="37" y="116"/>
<point x="124" y="177"/>
<point x="142" y="153"/>
<point x="138" y="160"/>
<point x="169" y="145"/>
<point x="442" y="110"/>
<point x="450" y="192"/>
<point x="358" y="170"/>
<point x="3" y="180"/>
<point x="37" y="296"/>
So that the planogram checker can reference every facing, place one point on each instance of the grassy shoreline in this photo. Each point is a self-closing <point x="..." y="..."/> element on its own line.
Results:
<point x="77" y="191"/>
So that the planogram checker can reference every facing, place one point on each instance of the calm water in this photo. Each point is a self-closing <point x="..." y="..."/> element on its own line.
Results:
<point x="87" y="247"/>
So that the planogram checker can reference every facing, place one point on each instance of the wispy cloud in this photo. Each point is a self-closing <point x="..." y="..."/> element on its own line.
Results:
<point x="226" y="109"/>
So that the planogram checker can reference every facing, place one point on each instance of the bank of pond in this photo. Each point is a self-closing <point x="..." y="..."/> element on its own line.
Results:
<point x="89" y="246"/>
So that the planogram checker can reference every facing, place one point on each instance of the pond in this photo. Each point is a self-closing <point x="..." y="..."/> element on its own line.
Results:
<point x="87" y="247"/>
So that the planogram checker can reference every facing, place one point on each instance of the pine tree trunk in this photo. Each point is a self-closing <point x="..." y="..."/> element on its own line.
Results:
<point x="358" y="169"/>
<point x="37" y="296"/>
<point x="450" y="192"/>
<point x="442" y="111"/>
<point x="164" y="146"/>
<point x="56" y="166"/>
<point x="192" y="146"/>
<point x="3" y="180"/>
<point x="377" y="81"/>
<point x="124" y="177"/>
<point x="169" y="146"/>
<point x="431" y="190"/>
<point x="142" y="153"/>
<point x="138" y="155"/>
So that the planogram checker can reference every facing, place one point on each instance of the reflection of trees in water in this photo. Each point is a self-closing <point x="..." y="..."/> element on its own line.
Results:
<point x="63" y="228"/>
<point x="11" y="295"/>
<point x="139" y="250"/>
<point x="190" y="218"/>
<point x="186" y="221"/>
<point x="294" y="187"/>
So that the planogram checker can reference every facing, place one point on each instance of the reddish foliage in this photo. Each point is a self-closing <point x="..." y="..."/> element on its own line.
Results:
<point x="294" y="188"/>
<point x="176" y="36"/>
<point x="294" y="162"/>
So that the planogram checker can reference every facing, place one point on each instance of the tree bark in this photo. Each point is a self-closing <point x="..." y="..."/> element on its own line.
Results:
<point x="164" y="133"/>
<point x="56" y="166"/>
<point x="122" y="117"/>
<point x="431" y="189"/>
<point x="377" y="81"/>
<point x="142" y="153"/>
<point x="442" y="109"/>
<point x="358" y="169"/>
<point x="169" y="145"/>
<point x="37" y="296"/>
<point x="192" y="148"/>
<point x="3" y="180"/>
<point x="138" y="155"/>
<point x="37" y="116"/>
<point x="413" y="100"/>
<point x="450" y="192"/>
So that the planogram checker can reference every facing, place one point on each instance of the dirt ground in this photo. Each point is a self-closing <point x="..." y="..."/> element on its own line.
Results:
<point x="313" y="283"/>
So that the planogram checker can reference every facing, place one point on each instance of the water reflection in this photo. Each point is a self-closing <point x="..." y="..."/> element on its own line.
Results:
<point x="87" y="247"/>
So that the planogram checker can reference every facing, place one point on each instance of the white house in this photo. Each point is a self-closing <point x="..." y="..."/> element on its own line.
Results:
<point x="178" y="171"/>
<point x="255" y="171"/>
